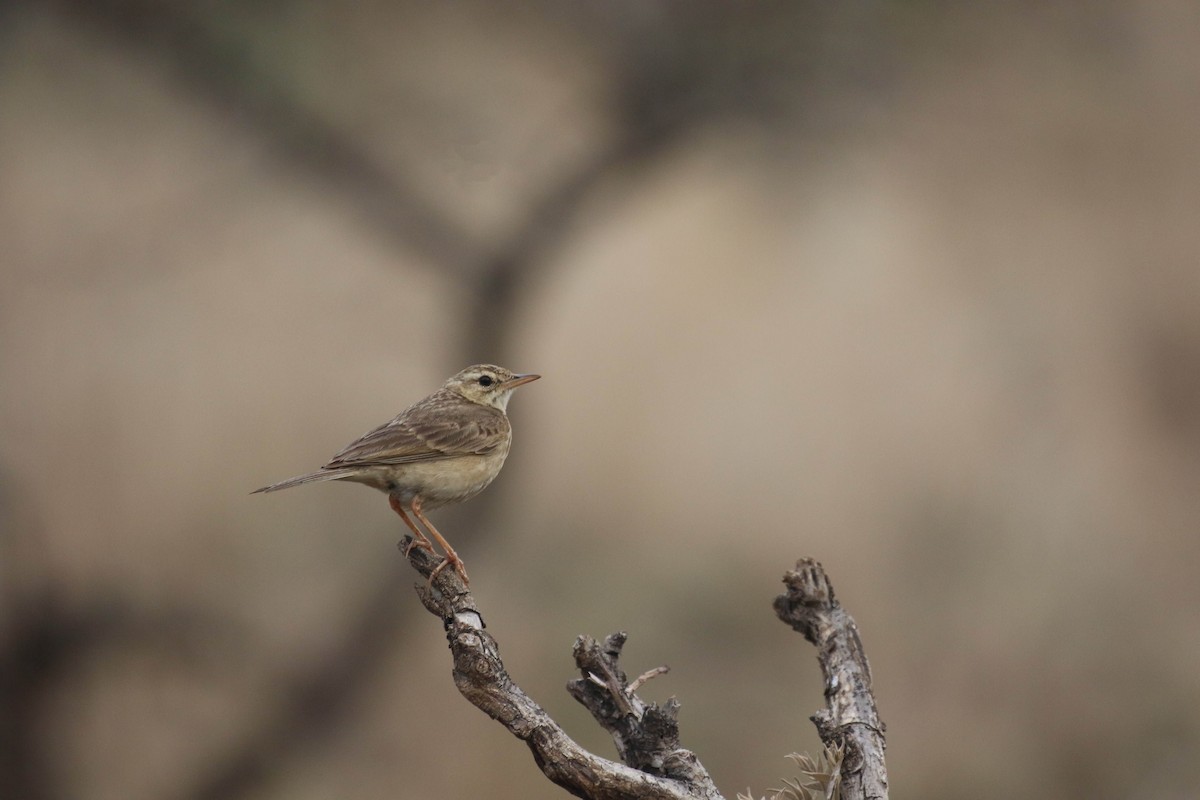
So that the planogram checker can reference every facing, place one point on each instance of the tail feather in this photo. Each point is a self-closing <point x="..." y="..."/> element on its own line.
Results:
<point x="312" y="477"/>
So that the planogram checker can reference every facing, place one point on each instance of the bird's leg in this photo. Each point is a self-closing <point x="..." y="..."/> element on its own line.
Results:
<point x="451" y="556"/>
<point x="419" y="538"/>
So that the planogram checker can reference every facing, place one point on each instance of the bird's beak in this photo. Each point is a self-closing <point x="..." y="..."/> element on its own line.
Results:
<point x="520" y="380"/>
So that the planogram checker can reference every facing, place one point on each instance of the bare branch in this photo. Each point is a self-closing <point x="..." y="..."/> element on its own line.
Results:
<point x="647" y="736"/>
<point x="850" y="718"/>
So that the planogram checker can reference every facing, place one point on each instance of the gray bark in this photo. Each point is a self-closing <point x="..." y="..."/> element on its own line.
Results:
<point x="654" y="764"/>
<point x="850" y="719"/>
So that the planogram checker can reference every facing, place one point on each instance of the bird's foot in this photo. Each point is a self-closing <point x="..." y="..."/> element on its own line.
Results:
<point x="456" y="562"/>
<point x="421" y="542"/>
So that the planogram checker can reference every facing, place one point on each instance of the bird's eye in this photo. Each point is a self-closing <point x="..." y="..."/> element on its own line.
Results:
<point x="486" y="380"/>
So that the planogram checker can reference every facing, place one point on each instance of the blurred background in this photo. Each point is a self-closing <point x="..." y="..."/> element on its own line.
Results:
<point x="911" y="288"/>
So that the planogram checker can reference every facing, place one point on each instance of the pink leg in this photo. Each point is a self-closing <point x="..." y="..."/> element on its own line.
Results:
<point x="452" y="558"/>
<point x="419" y="538"/>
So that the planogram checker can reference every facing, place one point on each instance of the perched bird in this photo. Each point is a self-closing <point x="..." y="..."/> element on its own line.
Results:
<point x="444" y="449"/>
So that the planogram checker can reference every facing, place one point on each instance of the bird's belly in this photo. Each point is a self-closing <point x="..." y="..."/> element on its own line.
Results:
<point x="450" y="480"/>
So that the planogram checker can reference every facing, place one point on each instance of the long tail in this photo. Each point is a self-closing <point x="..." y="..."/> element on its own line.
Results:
<point x="312" y="477"/>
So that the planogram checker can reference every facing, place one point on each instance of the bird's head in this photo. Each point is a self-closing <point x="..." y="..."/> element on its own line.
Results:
<point x="488" y="384"/>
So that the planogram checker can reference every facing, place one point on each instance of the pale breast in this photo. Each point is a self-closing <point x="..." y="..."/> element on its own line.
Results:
<point x="441" y="482"/>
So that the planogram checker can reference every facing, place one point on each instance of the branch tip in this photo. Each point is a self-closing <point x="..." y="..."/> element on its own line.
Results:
<point x="637" y="682"/>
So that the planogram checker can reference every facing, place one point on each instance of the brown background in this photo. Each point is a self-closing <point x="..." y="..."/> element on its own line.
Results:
<point x="910" y="288"/>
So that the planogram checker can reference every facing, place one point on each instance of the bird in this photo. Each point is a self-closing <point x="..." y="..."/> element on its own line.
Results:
<point x="441" y="450"/>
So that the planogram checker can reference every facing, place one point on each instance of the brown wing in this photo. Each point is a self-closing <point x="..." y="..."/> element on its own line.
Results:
<point x="437" y="427"/>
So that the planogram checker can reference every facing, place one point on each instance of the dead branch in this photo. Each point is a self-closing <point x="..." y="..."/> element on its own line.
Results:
<point x="850" y="718"/>
<point x="653" y="762"/>
<point x="647" y="736"/>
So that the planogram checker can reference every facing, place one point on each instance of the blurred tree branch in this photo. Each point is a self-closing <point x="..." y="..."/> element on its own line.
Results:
<point x="657" y="97"/>
<point x="654" y="764"/>
<point x="48" y="635"/>
<point x="219" y="70"/>
<point x="314" y="698"/>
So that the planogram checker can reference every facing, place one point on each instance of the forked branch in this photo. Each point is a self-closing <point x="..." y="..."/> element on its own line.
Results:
<point x="653" y="763"/>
